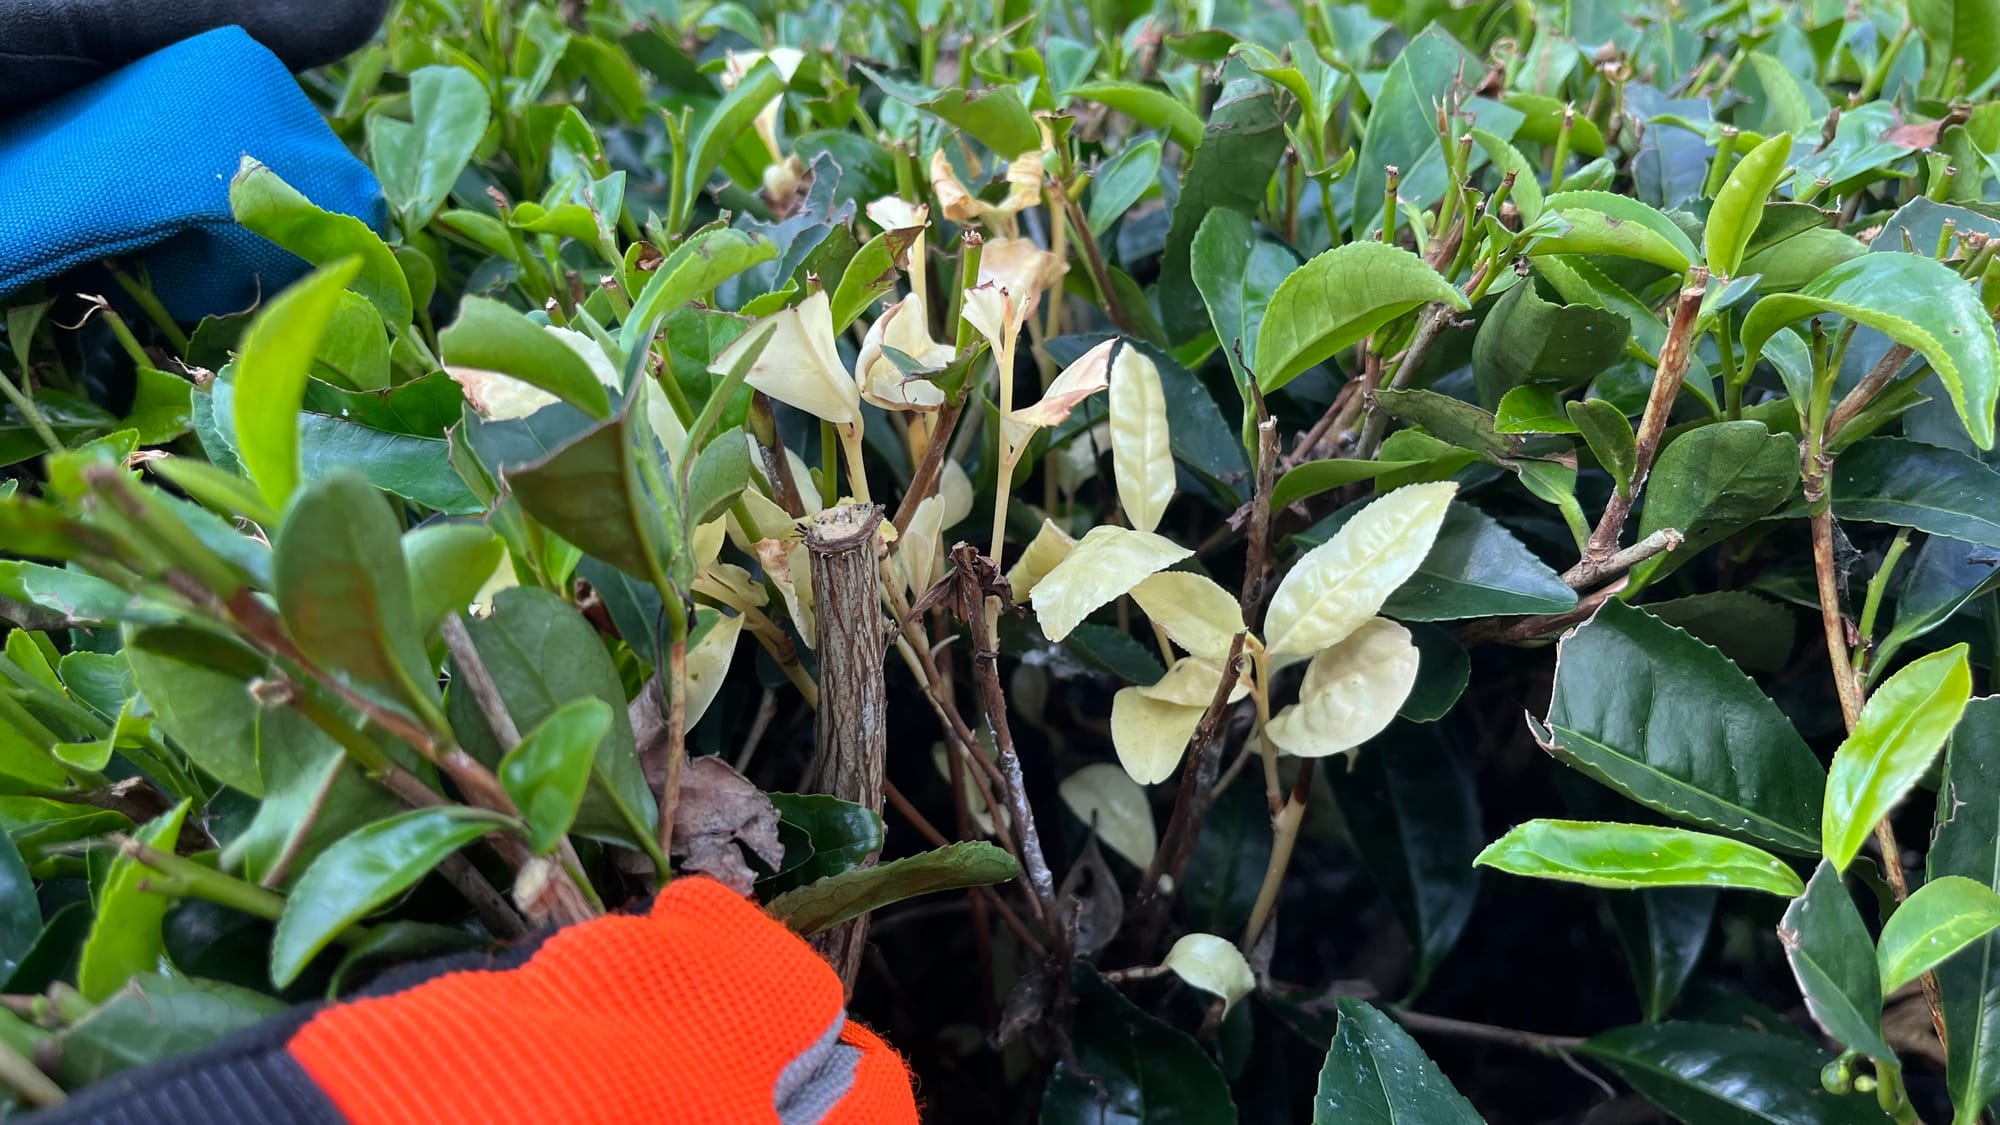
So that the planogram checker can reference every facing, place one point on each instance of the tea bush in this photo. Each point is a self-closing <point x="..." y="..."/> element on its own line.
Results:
<point x="1338" y="533"/>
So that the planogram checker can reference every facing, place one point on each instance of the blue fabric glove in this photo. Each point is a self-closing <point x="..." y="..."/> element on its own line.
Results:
<point x="139" y="163"/>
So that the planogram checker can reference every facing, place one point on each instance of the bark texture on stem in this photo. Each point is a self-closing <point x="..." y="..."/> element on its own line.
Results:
<point x="850" y="744"/>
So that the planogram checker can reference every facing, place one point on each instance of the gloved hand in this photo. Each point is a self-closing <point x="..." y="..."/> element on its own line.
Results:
<point x="704" y="1012"/>
<point x="48" y="47"/>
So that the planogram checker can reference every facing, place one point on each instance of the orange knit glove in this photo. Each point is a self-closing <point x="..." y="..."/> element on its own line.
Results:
<point x="706" y="1010"/>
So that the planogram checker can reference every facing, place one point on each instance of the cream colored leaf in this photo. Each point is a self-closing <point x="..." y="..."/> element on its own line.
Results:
<point x="1107" y="562"/>
<point x="1351" y="692"/>
<point x="1024" y="183"/>
<point x="1343" y="581"/>
<point x="770" y="520"/>
<point x="1150" y="735"/>
<point x="800" y="366"/>
<point x="732" y="586"/>
<point x="1141" y="458"/>
<point x="708" y="665"/>
<point x="1074" y="462"/>
<point x="955" y="489"/>
<point x="1213" y="965"/>
<point x="990" y="311"/>
<point x="1199" y="615"/>
<point x="917" y="549"/>
<point x="499" y="397"/>
<point x="1050" y="546"/>
<point x="1090" y="374"/>
<point x="707" y="543"/>
<point x="1100" y="793"/>
<point x="892" y="213"/>
<point x="884" y="384"/>
<point x="1022" y="269"/>
<point x="798" y="566"/>
<point x="1191" y="682"/>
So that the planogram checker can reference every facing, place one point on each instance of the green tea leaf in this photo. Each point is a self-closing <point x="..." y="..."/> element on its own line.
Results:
<point x="1121" y="182"/>
<point x="718" y="476"/>
<point x="1599" y="222"/>
<point x="1901" y="729"/>
<point x="489" y="336"/>
<point x="1629" y="856"/>
<point x="1239" y="151"/>
<point x="125" y="938"/>
<point x="1968" y="845"/>
<point x="420" y="161"/>
<point x="1476" y="568"/>
<point x="827" y="903"/>
<point x="589" y="492"/>
<point x="1833" y="959"/>
<point x="154" y="1017"/>
<point x="365" y="870"/>
<point x="1739" y="206"/>
<point x="1961" y="29"/>
<point x="1129" y="1067"/>
<point x="1153" y="108"/>
<point x="1712" y="482"/>
<point x="1375" y="1074"/>
<point x="1914" y="301"/>
<point x="1910" y="484"/>
<point x="1663" y="931"/>
<point x="1610" y="438"/>
<point x="1719" y="1075"/>
<point x="264" y="203"/>
<point x="995" y="118"/>
<point x="1528" y="340"/>
<point x="1237" y="274"/>
<point x="271" y="371"/>
<point x="448" y="564"/>
<point x="1337" y="298"/>
<point x="1941" y="918"/>
<point x="188" y="678"/>
<point x="1668" y="721"/>
<point x="546" y="774"/>
<point x="707" y="259"/>
<point x="20" y="914"/>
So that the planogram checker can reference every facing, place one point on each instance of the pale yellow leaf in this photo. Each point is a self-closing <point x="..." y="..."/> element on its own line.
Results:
<point x="954" y="200"/>
<point x="1199" y="615"/>
<point x="894" y="213"/>
<point x="901" y="327"/>
<point x="708" y="665"/>
<point x="732" y="586"/>
<point x="1100" y="793"/>
<point x="707" y="543"/>
<point x="1074" y="462"/>
<point x="917" y="549"/>
<point x="955" y="489"/>
<point x="1050" y="546"/>
<point x="770" y="520"/>
<point x="1106" y="562"/>
<point x="1343" y="581"/>
<point x="1351" y="692"/>
<point x="1213" y="965"/>
<point x="1141" y="458"/>
<point x="800" y="366"/>
<point x="991" y="313"/>
<point x="1090" y="374"/>
<point x="1150" y="735"/>
<point x="1191" y="682"/>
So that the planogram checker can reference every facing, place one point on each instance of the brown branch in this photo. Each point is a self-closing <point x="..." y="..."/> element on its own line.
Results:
<point x="1589" y="572"/>
<point x="1257" y="559"/>
<point x="1675" y="355"/>
<point x="925" y="479"/>
<point x="1522" y="630"/>
<point x="1487" y="1033"/>
<point x="1864" y="392"/>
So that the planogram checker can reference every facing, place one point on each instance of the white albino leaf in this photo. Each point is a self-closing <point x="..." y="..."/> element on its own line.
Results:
<point x="1150" y="734"/>
<point x="1344" y="581"/>
<point x="1213" y="965"/>
<point x="1101" y="792"/>
<point x="1199" y="615"/>
<point x="901" y="327"/>
<point x="895" y="213"/>
<point x="1050" y="546"/>
<point x="1106" y="562"/>
<point x="955" y="489"/>
<point x="708" y="664"/>
<point x="1074" y="462"/>
<point x="990" y="311"/>
<point x="800" y="366"/>
<point x="1191" y="682"/>
<point x="1090" y="374"/>
<point x="1351" y="692"/>
<point x="917" y="549"/>
<point x="1141" y="459"/>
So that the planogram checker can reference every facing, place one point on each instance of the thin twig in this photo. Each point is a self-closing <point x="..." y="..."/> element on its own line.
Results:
<point x="1258" y="545"/>
<point x="297" y="844"/>
<point x="1864" y="392"/>
<point x="1521" y="630"/>
<point x="1675" y="355"/>
<point x="21" y="1075"/>
<point x="1284" y="836"/>
<point x="1191" y="803"/>
<point x="925" y="480"/>
<point x="1589" y="572"/>
<point x="1487" y="1033"/>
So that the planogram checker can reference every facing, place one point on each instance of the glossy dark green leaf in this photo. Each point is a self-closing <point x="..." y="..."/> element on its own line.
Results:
<point x="1738" y="209"/>
<point x="1668" y="721"/>
<point x="1315" y="477"/>
<point x="1662" y="931"/>
<point x="271" y="370"/>
<point x="1944" y="916"/>
<point x="207" y="710"/>
<point x="265" y="203"/>
<point x="1915" y="301"/>
<point x="420" y="160"/>
<point x="1910" y="484"/>
<point x="1708" y="1074"/>
<point x="1452" y="420"/>
<point x="1635" y="856"/>
<point x="1443" y="670"/>
<point x="1901" y="729"/>
<point x="546" y="774"/>
<point x="1610" y="437"/>
<point x="365" y="870"/>
<point x="344" y="590"/>
<point x="1753" y="632"/>
<point x="448" y="564"/>
<point x="124" y="938"/>
<point x="1712" y="482"/>
<point x="1335" y="299"/>
<point x="1375" y="1074"/>
<point x="833" y="900"/>
<point x="423" y="407"/>
<point x="303" y="769"/>
<point x="827" y="835"/>
<point x="995" y="118"/>
<point x="20" y="914"/>
<point x="1403" y="130"/>
<point x="1532" y="410"/>
<point x="1943" y="577"/>
<point x="1130" y="1068"/>
<point x="1412" y="817"/>
<point x="1795" y="262"/>
<point x="1968" y="844"/>
<point x="1121" y="182"/>
<point x="1237" y="274"/>
<point x="53" y="955"/>
<point x="1240" y="149"/>
<point x="1526" y="339"/>
<point x="589" y="492"/>
<point x="1110" y="651"/>
<point x="541" y="654"/>
<point x="1833" y="959"/>
<point x="154" y="1017"/>
<point x="1476" y="568"/>
<point x="718" y="476"/>
<point x="489" y="336"/>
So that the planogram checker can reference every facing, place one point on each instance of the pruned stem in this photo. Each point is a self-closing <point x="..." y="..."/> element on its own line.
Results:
<point x="1589" y="572"/>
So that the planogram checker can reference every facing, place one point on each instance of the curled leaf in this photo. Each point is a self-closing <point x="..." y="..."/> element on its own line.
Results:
<point x="1191" y="682"/>
<point x="800" y="365"/>
<point x="1090" y="374"/>
<point x="719" y="810"/>
<point x="882" y="381"/>
<point x="1199" y="615"/>
<point x="1050" y="546"/>
<point x="1213" y="965"/>
<point x="1351" y="692"/>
